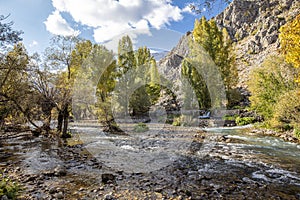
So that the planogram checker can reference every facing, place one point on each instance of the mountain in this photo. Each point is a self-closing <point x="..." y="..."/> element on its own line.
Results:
<point x="158" y="53"/>
<point x="253" y="26"/>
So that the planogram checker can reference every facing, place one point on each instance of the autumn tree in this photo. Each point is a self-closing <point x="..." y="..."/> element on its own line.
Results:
<point x="289" y="41"/>
<point x="268" y="83"/>
<point x="95" y="81"/>
<point x="16" y="96"/>
<point x="59" y="57"/>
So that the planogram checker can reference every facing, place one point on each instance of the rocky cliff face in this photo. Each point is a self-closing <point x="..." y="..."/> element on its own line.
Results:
<point x="253" y="25"/>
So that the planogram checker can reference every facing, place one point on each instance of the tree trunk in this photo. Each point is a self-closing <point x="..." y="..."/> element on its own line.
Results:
<point x="60" y="119"/>
<point x="65" y="122"/>
<point x="46" y="124"/>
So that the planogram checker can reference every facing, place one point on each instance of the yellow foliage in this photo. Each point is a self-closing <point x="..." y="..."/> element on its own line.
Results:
<point x="287" y="110"/>
<point x="290" y="42"/>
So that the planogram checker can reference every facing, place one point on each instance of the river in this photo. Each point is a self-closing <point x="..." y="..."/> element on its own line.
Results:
<point x="164" y="162"/>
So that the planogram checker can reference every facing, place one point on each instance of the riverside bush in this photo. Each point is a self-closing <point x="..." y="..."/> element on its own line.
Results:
<point x="287" y="111"/>
<point x="8" y="188"/>
<point x="241" y="121"/>
<point x="140" y="127"/>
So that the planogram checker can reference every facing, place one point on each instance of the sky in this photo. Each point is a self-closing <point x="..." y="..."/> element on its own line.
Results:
<point x="154" y="23"/>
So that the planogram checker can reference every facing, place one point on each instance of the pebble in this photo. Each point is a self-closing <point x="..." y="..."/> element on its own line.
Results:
<point x="59" y="195"/>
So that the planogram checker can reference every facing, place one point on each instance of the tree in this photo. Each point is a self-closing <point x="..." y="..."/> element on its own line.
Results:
<point x="59" y="56"/>
<point x="154" y="87"/>
<point x="16" y="97"/>
<point x="199" y="85"/>
<point x="42" y="82"/>
<point x="287" y="111"/>
<point x="95" y="81"/>
<point x="126" y="64"/>
<point x="268" y="83"/>
<point x="139" y="100"/>
<point x="8" y="36"/>
<point x="218" y="46"/>
<point x="289" y="40"/>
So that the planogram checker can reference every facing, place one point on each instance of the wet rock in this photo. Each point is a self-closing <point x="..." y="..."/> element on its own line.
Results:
<point x="60" y="171"/>
<point x="52" y="190"/>
<point x="4" y="197"/>
<point x="109" y="197"/>
<point x="59" y="195"/>
<point x="108" y="178"/>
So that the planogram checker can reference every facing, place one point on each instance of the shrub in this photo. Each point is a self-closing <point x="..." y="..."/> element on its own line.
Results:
<point x="140" y="127"/>
<point x="297" y="132"/>
<point x="230" y="117"/>
<point x="177" y="121"/>
<point x="8" y="188"/>
<point x="287" y="111"/>
<point x="241" y="121"/>
<point x="268" y="83"/>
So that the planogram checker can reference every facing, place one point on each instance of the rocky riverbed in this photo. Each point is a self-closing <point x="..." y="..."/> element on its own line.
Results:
<point x="52" y="169"/>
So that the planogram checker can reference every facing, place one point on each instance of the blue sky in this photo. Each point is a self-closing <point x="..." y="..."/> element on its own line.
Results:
<point x="155" y="23"/>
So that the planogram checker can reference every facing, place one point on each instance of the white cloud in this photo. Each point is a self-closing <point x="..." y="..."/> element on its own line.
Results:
<point x="57" y="25"/>
<point x="109" y="18"/>
<point x="33" y="44"/>
<point x="187" y="9"/>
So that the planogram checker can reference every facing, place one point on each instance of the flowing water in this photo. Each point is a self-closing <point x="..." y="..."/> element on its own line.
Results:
<point x="221" y="162"/>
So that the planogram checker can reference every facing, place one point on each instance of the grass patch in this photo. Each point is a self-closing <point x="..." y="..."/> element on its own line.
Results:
<point x="8" y="188"/>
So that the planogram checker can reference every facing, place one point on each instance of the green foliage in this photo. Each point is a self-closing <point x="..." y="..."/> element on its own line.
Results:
<point x="268" y="83"/>
<point x="230" y="117"/>
<point x="219" y="46"/>
<point x="8" y="187"/>
<point x="241" y="121"/>
<point x="140" y="127"/>
<point x="287" y="111"/>
<point x="177" y="121"/>
<point x="198" y="83"/>
<point x="7" y="34"/>
<point x="140" y="102"/>
<point x="297" y="132"/>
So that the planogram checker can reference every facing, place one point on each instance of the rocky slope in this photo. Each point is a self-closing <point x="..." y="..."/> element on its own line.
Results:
<point x="253" y="25"/>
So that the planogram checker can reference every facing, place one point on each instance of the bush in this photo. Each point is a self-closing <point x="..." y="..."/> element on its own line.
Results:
<point x="268" y="83"/>
<point x="297" y="132"/>
<point x="230" y="117"/>
<point x="241" y="121"/>
<point x="140" y="127"/>
<point x="287" y="111"/>
<point x="177" y="121"/>
<point x="8" y="188"/>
